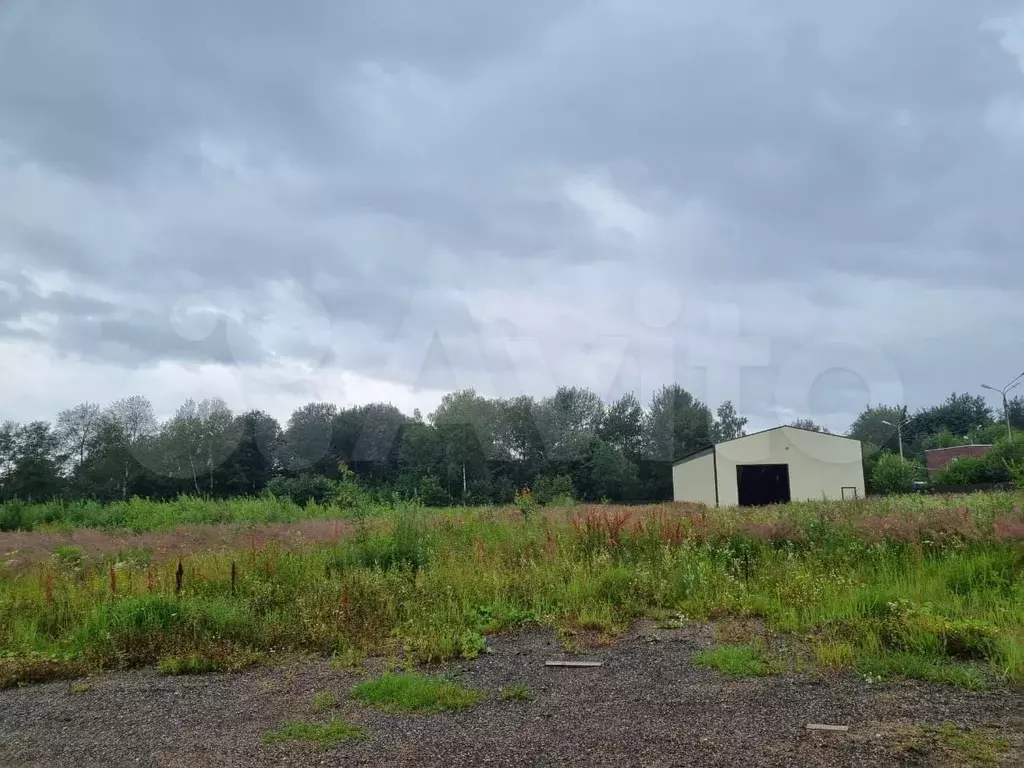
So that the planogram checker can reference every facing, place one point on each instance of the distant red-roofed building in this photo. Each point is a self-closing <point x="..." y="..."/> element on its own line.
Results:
<point x="938" y="459"/>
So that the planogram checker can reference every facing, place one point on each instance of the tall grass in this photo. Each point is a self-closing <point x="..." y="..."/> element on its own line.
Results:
<point x="936" y="594"/>
<point x="146" y="515"/>
<point x="141" y="515"/>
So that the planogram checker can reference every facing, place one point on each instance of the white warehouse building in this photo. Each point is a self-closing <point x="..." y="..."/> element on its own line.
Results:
<point x="771" y="467"/>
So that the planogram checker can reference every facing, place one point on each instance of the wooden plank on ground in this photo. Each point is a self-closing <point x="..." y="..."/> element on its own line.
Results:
<point x="819" y="727"/>
<point x="573" y="663"/>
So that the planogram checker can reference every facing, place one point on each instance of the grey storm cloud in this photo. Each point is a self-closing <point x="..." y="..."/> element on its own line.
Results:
<point x="340" y="183"/>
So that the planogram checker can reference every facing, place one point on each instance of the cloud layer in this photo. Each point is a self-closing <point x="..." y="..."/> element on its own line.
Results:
<point x="801" y="206"/>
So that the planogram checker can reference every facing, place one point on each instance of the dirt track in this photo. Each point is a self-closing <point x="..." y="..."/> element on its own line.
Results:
<point x="648" y="705"/>
<point x="21" y="549"/>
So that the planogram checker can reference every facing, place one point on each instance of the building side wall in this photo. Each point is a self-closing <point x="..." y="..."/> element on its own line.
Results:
<point x="938" y="458"/>
<point x="694" y="480"/>
<point x="820" y="465"/>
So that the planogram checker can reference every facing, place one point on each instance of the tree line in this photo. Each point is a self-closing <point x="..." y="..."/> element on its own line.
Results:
<point x="472" y="449"/>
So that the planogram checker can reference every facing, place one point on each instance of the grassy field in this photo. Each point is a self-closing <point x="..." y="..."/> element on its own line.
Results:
<point x="141" y="515"/>
<point x="926" y="587"/>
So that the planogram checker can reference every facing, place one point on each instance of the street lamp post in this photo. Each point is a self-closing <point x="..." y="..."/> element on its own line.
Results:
<point x="899" y="432"/>
<point x="1006" y="405"/>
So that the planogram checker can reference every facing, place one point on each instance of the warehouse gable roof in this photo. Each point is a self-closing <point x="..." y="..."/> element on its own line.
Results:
<point x="694" y="454"/>
<point x="710" y="448"/>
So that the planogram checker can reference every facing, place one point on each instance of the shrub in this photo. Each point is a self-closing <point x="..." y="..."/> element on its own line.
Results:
<point x="893" y="474"/>
<point x="1016" y="470"/>
<point x="344" y="492"/>
<point x="967" y="470"/>
<point x="944" y="439"/>
<point x="547" y="490"/>
<point x="302" y="489"/>
<point x="431" y="493"/>
<point x="471" y="644"/>
<point x="1006" y="461"/>
<point x="525" y="501"/>
<point x="14" y="516"/>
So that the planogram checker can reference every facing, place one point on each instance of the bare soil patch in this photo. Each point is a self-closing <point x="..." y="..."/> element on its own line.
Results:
<point x="19" y="550"/>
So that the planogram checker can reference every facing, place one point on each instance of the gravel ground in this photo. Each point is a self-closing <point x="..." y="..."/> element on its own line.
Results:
<point x="648" y="705"/>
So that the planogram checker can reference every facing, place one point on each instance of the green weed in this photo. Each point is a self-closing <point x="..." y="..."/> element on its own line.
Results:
<point x="348" y="658"/>
<point x="902" y="664"/>
<point x="21" y="671"/>
<point x="324" y="735"/>
<point x="187" y="665"/>
<point x="835" y="655"/>
<point x="324" y="701"/>
<point x="68" y="557"/>
<point x="218" y="660"/>
<point x="517" y="692"/>
<point x="975" y="747"/>
<point x="736" y="661"/>
<point x="415" y="693"/>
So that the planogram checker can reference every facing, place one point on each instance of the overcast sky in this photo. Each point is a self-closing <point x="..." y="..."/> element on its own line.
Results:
<point x="799" y="206"/>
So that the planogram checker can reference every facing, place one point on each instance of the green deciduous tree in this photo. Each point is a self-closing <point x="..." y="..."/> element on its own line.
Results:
<point x="551" y="488"/>
<point x="958" y="414"/>
<point x="519" y="444"/>
<point x="197" y="441"/>
<point x="810" y="425"/>
<point x="870" y="426"/>
<point x="76" y="430"/>
<point x="1015" y="407"/>
<point x="677" y="423"/>
<point x="129" y="427"/>
<point x="623" y="426"/>
<point x="892" y="474"/>
<point x="729" y="424"/>
<point x="255" y="460"/>
<point x="567" y="421"/>
<point x="368" y="439"/>
<point x="465" y="423"/>
<point x="308" y="437"/>
<point x="606" y="473"/>
<point x="33" y="462"/>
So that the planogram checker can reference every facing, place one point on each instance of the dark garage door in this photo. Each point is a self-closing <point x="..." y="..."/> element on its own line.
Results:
<point x="761" y="484"/>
